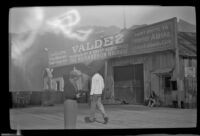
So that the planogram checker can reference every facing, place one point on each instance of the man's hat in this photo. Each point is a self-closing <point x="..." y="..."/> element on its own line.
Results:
<point x="75" y="73"/>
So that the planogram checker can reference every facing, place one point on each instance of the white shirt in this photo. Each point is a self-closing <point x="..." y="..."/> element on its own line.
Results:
<point x="48" y="73"/>
<point x="97" y="84"/>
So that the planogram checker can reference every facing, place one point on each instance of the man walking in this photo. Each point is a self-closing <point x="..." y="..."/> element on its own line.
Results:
<point x="97" y="86"/>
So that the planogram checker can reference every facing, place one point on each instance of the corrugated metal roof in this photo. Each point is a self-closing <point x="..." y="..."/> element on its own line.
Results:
<point x="184" y="26"/>
<point x="187" y="44"/>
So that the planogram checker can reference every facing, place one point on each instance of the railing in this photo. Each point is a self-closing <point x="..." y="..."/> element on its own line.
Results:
<point x="23" y="98"/>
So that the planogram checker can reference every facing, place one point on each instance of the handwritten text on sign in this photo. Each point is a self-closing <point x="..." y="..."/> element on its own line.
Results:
<point x="152" y="38"/>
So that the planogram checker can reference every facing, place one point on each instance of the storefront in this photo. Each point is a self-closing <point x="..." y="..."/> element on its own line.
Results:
<point x="132" y="62"/>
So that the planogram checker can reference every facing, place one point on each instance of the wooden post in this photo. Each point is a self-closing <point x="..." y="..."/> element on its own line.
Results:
<point x="105" y="70"/>
<point x="177" y="63"/>
<point x="105" y="77"/>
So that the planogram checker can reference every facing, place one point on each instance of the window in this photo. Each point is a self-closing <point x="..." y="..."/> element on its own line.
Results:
<point x="174" y="85"/>
<point x="58" y="85"/>
<point x="167" y="82"/>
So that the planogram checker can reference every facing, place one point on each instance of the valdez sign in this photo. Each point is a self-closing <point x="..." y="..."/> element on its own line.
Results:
<point x="100" y="43"/>
<point x="98" y="49"/>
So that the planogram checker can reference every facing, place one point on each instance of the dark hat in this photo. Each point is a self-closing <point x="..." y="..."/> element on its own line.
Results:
<point x="75" y="73"/>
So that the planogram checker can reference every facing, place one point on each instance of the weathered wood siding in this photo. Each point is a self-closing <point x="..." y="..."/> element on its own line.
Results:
<point x="151" y="62"/>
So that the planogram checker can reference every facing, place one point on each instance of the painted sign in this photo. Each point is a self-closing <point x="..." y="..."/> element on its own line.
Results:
<point x="190" y="72"/>
<point x="88" y="51"/>
<point x="156" y="37"/>
<point x="151" y="38"/>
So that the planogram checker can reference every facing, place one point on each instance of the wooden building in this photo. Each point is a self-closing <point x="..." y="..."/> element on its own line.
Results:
<point x="135" y="76"/>
<point x="135" y="62"/>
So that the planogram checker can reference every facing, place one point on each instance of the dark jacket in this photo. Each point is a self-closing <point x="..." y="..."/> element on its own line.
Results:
<point x="69" y="90"/>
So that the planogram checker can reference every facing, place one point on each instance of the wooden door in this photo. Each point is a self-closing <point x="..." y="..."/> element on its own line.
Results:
<point x="129" y="83"/>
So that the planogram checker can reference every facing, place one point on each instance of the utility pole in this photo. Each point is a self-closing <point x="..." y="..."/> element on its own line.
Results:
<point x="46" y="50"/>
<point x="124" y="18"/>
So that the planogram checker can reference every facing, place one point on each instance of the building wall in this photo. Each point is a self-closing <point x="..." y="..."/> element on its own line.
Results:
<point x="152" y="62"/>
<point x="189" y="82"/>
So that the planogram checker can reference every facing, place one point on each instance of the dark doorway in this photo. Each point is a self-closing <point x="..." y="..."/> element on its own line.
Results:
<point x="58" y="85"/>
<point x="129" y="83"/>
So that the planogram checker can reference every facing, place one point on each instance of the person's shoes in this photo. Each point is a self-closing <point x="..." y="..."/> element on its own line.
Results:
<point x="88" y="120"/>
<point x="105" y="120"/>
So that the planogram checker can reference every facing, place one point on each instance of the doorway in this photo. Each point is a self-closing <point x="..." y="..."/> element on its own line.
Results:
<point x="129" y="83"/>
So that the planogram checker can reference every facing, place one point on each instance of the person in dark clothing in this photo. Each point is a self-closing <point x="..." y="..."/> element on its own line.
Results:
<point x="70" y="104"/>
<point x="152" y="99"/>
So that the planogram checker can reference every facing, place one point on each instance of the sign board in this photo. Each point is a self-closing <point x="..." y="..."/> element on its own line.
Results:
<point x="151" y="38"/>
<point x="190" y="72"/>
<point x="156" y="37"/>
<point x="104" y="48"/>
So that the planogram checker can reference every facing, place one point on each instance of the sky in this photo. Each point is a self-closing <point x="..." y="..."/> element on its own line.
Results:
<point x="103" y="15"/>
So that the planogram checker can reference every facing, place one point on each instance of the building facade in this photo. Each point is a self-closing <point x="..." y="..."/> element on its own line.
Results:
<point x="136" y="62"/>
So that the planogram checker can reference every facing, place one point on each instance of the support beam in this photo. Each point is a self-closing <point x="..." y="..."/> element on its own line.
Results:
<point x="105" y="75"/>
<point x="177" y="65"/>
<point x="106" y="70"/>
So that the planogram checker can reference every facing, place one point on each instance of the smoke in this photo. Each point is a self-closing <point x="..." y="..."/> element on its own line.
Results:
<point x="26" y="36"/>
<point x="27" y="62"/>
<point x="65" y="24"/>
<point x="34" y="24"/>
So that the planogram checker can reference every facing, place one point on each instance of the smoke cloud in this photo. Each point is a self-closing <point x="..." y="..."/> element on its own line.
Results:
<point x="26" y="35"/>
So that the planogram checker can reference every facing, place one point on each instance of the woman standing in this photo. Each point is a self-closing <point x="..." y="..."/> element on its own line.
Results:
<point x="70" y="104"/>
